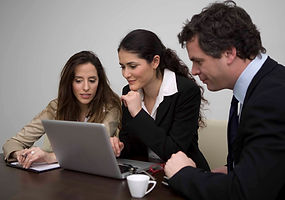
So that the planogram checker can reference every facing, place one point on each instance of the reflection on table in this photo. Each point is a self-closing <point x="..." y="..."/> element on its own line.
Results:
<point x="67" y="184"/>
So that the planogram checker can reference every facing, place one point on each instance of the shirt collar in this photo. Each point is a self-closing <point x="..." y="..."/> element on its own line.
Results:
<point x="246" y="77"/>
<point x="168" y="87"/>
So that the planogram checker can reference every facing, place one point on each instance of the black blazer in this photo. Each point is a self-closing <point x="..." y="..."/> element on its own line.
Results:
<point x="259" y="148"/>
<point x="175" y="127"/>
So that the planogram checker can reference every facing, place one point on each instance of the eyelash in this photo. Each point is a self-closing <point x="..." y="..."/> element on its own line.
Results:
<point x="79" y="81"/>
<point x="198" y="62"/>
<point x="131" y="66"/>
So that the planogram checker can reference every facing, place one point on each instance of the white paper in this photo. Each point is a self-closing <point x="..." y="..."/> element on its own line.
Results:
<point x="39" y="166"/>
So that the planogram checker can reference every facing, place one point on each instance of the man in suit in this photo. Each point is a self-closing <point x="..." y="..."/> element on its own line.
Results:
<point x="226" y="50"/>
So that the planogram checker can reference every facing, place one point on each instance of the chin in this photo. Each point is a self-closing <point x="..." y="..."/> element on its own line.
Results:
<point x="213" y="89"/>
<point x="85" y="102"/>
<point x="133" y="87"/>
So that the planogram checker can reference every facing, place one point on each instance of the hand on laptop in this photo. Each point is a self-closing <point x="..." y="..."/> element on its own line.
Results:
<point x="26" y="157"/>
<point x="117" y="145"/>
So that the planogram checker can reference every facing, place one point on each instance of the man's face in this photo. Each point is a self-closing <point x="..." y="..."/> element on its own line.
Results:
<point x="213" y="72"/>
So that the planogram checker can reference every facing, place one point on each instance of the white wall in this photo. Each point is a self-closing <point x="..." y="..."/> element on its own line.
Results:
<point x="38" y="36"/>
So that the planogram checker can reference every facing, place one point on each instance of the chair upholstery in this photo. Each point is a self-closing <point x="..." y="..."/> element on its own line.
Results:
<point x="213" y="142"/>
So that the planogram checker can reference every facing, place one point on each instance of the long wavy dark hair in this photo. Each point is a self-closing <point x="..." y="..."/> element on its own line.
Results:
<point x="104" y="100"/>
<point x="221" y="26"/>
<point x="146" y="45"/>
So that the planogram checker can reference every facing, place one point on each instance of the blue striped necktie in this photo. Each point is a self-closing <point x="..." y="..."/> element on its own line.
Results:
<point x="232" y="131"/>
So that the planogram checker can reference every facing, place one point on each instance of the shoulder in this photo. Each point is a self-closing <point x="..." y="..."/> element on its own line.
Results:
<point x="186" y="85"/>
<point x="52" y="107"/>
<point x="113" y="110"/>
<point x="53" y="104"/>
<point x="269" y="81"/>
<point x="266" y="91"/>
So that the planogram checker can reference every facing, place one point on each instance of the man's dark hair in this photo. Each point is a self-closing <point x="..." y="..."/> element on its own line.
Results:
<point x="221" y="26"/>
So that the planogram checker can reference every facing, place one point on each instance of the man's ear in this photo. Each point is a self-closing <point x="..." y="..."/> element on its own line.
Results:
<point x="230" y="55"/>
<point x="155" y="61"/>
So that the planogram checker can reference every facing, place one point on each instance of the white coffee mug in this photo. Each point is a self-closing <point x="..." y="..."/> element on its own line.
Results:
<point x="138" y="184"/>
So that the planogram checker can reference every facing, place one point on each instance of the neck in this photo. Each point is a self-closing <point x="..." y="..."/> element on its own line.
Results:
<point x="151" y="90"/>
<point x="237" y="69"/>
<point x="84" y="112"/>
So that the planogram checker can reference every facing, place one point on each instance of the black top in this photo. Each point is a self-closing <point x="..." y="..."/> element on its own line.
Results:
<point x="174" y="129"/>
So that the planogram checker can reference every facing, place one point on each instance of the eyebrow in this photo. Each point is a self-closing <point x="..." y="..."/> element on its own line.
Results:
<point x="194" y="59"/>
<point x="129" y="63"/>
<point x="88" y="77"/>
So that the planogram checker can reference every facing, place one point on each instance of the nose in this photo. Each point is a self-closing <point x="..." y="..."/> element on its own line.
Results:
<point x="86" y="86"/>
<point x="195" y="70"/>
<point x="126" y="73"/>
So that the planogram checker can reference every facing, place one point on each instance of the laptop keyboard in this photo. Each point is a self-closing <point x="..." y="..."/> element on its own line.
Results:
<point x="127" y="168"/>
<point x="124" y="168"/>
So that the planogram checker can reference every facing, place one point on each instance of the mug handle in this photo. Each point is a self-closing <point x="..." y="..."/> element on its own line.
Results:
<point x="154" y="183"/>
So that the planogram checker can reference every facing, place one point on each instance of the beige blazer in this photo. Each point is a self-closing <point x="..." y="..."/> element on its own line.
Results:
<point x="30" y="133"/>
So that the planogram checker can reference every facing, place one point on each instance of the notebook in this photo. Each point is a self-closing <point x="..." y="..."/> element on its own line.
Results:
<point x="86" y="147"/>
<point x="35" y="167"/>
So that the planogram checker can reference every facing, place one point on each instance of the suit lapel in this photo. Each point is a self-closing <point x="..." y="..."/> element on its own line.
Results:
<point x="163" y="109"/>
<point x="266" y="68"/>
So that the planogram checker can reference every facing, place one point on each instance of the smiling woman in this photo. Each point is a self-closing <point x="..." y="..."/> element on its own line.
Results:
<point x="161" y="111"/>
<point x="84" y="94"/>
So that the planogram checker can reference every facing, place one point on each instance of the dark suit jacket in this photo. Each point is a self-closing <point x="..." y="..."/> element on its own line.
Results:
<point x="259" y="148"/>
<point x="175" y="127"/>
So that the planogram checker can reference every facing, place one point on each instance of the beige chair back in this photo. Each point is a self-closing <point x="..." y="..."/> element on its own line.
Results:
<point x="213" y="142"/>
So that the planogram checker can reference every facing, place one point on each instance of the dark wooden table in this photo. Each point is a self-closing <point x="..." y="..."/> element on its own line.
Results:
<point x="65" y="184"/>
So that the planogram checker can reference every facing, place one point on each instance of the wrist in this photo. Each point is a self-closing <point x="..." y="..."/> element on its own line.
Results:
<point x="50" y="158"/>
<point x="134" y="113"/>
<point x="14" y="154"/>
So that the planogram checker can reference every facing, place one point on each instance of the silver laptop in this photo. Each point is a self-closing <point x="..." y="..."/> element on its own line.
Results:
<point x="86" y="147"/>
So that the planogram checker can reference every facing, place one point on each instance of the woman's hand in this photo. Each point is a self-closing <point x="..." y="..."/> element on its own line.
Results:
<point x="26" y="157"/>
<point x="133" y="102"/>
<point x="117" y="145"/>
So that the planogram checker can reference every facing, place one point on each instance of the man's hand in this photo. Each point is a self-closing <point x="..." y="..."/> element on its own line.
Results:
<point x="176" y="163"/>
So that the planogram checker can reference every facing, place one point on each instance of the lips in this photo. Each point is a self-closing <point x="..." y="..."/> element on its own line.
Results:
<point x="85" y="96"/>
<point x="131" y="82"/>
<point x="203" y="79"/>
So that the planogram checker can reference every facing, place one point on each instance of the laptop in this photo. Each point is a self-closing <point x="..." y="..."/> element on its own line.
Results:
<point x="86" y="147"/>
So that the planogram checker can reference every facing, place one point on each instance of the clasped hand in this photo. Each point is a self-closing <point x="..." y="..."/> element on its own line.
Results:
<point x="133" y="102"/>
